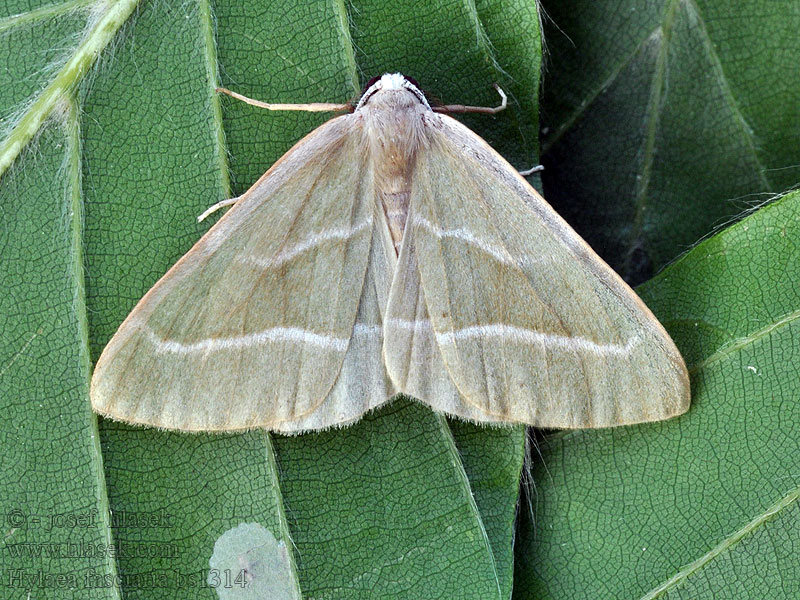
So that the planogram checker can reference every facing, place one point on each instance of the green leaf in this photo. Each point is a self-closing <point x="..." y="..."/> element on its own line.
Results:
<point x="664" y="119"/>
<point x="53" y="500"/>
<point x="704" y="505"/>
<point x="401" y="503"/>
<point x="115" y="141"/>
<point x="151" y="147"/>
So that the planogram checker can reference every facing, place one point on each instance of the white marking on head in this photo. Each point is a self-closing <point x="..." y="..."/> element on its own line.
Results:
<point x="392" y="81"/>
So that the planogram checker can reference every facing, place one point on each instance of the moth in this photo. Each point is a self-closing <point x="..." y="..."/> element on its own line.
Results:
<point x="390" y="251"/>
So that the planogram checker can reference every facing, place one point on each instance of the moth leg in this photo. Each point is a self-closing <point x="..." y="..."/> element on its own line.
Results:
<point x="489" y="110"/>
<point x="532" y="170"/>
<point x="217" y="206"/>
<point x="310" y="107"/>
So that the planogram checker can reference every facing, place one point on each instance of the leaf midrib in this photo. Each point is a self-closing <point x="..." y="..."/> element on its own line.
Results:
<point x="45" y="12"/>
<point x="73" y="169"/>
<point x="727" y="543"/>
<point x="739" y="343"/>
<point x="664" y="31"/>
<point x="102" y="31"/>
<point x="720" y="353"/>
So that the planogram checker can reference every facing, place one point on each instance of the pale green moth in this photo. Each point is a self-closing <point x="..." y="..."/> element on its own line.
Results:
<point x="389" y="251"/>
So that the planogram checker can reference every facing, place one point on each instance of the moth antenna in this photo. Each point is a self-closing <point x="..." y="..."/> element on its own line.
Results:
<point x="311" y="107"/>
<point x="460" y="108"/>
<point x="532" y="170"/>
<point x="217" y="206"/>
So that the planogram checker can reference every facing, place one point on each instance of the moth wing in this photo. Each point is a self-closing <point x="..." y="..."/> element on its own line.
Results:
<point x="251" y="327"/>
<point x="533" y="327"/>
<point x="363" y="383"/>
<point x="411" y="352"/>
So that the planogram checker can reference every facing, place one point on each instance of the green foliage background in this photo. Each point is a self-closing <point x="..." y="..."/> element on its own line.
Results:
<point x="661" y="121"/>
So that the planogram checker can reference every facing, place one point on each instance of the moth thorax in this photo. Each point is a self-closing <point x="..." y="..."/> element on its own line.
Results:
<point x="394" y="137"/>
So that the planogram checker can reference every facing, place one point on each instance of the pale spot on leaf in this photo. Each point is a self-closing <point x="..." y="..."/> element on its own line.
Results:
<point x="248" y="562"/>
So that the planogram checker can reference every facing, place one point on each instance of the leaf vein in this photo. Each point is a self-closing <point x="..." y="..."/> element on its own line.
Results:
<point x="727" y="543"/>
<point x="740" y="343"/>
<point x="347" y="44"/>
<point x="727" y="93"/>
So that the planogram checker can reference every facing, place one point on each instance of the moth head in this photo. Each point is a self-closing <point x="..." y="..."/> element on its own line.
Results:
<point x="393" y="90"/>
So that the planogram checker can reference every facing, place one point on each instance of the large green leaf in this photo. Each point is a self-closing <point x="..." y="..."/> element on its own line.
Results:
<point x="705" y="505"/>
<point x="105" y="167"/>
<point x="391" y="499"/>
<point x="665" y="118"/>
<point x="52" y="491"/>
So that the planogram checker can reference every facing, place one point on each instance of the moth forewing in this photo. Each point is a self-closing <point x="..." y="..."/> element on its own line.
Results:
<point x="533" y="327"/>
<point x="390" y="250"/>
<point x="410" y="350"/>
<point x="362" y="383"/>
<point x="251" y="327"/>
